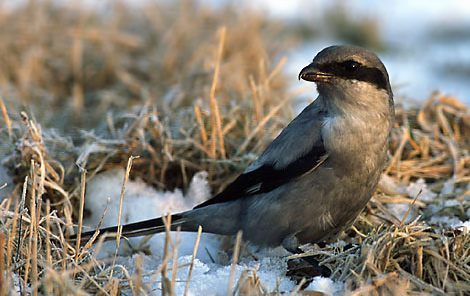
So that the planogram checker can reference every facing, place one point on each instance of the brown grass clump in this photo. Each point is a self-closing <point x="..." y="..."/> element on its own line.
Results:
<point x="189" y="88"/>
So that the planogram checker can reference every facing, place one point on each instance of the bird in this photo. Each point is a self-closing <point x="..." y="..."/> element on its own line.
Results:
<point x="317" y="175"/>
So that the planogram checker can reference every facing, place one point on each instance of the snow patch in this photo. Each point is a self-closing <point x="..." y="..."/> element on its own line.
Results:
<point x="326" y="286"/>
<point x="420" y="185"/>
<point x="142" y="202"/>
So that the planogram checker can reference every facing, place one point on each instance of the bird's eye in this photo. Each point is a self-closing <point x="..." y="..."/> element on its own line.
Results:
<point x="351" y="66"/>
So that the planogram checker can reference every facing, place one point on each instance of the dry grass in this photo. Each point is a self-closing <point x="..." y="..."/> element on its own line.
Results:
<point x="186" y="92"/>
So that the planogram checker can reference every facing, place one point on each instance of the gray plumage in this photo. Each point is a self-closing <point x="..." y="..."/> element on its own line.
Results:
<point x="315" y="178"/>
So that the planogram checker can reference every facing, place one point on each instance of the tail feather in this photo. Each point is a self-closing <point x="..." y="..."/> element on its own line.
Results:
<point x="133" y="229"/>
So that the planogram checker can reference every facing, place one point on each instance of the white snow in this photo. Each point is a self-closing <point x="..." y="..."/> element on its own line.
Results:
<point x="463" y="225"/>
<point x="448" y="187"/>
<point x="418" y="188"/>
<point x="446" y="221"/>
<point x="214" y="279"/>
<point x="420" y="185"/>
<point x="326" y="286"/>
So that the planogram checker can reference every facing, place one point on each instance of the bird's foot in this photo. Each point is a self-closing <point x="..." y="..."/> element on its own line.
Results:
<point x="320" y="270"/>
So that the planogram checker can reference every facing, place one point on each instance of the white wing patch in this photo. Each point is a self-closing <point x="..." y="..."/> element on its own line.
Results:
<point x="252" y="189"/>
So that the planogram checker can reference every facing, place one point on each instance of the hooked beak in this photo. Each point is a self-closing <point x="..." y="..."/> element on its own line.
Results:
<point x="310" y="73"/>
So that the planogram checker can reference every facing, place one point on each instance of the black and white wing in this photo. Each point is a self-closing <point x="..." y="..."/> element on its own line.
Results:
<point x="296" y="151"/>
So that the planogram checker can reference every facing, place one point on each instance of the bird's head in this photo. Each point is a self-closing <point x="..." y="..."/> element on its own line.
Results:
<point x="349" y="74"/>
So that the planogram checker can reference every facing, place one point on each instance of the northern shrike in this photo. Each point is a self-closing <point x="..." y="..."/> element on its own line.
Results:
<point x="315" y="178"/>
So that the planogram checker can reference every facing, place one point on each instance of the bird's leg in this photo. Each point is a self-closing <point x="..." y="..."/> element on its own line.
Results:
<point x="291" y="244"/>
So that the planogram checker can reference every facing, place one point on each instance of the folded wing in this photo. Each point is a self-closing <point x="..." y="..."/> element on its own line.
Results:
<point x="296" y="151"/>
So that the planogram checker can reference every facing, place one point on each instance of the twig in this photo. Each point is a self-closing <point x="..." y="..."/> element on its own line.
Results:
<point x="410" y="207"/>
<point x="236" y="251"/>
<point x="119" y="226"/>
<point x="80" y="213"/>
<point x="216" y="122"/>
<point x="6" y="117"/>
<point x="196" y="246"/>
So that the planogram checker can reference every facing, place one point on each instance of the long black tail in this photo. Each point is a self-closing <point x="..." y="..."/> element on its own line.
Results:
<point x="133" y="229"/>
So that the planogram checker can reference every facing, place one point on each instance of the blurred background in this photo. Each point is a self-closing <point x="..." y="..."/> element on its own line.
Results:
<point x="425" y="44"/>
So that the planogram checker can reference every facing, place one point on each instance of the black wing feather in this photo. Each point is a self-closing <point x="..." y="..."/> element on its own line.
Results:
<point x="267" y="178"/>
